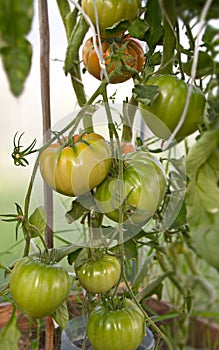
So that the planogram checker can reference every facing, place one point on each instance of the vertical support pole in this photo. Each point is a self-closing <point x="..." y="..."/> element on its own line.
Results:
<point x="45" y="99"/>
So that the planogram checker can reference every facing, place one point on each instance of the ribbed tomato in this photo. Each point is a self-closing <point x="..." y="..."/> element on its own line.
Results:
<point x="99" y="274"/>
<point x="116" y="327"/>
<point x="38" y="289"/>
<point x="124" y="56"/>
<point x="76" y="166"/>
<point x="138" y="194"/>
<point x="111" y="11"/>
<point x="166" y="110"/>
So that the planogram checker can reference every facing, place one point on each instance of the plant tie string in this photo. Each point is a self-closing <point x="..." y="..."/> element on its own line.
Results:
<point x="94" y="35"/>
<point x="193" y="72"/>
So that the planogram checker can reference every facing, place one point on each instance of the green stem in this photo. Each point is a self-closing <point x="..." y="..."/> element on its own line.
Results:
<point x="147" y="317"/>
<point x="129" y="112"/>
<point x="169" y="39"/>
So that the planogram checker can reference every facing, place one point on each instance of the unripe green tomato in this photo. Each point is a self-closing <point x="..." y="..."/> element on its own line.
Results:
<point x="38" y="289"/>
<point x="111" y="11"/>
<point x="100" y="275"/>
<point x="140" y="191"/>
<point x="166" y="110"/>
<point x="116" y="329"/>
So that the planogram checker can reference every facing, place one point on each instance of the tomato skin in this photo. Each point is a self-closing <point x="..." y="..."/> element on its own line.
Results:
<point x="100" y="275"/>
<point x="38" y="289"/>
<point x="75" y="170"/>
<point x="116" y="329"/>
<point x="143" y="186"/>
<point x="169" y="105"/>
<point x="111" y="12"/>
<point x="126" y="51"/>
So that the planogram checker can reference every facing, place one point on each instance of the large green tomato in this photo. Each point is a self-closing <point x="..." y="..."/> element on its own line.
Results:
<point x="76" y="166"/>
<point x="168" y="107"/>
<point x="99" y="275"/>
<point x="38" y="289"/>
<point x="111" y="11"/>
<point x="116" y="329"/>
<point x="140" y="192"/>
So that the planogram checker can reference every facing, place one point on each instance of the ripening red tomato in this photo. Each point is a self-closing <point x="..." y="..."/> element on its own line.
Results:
<point x="124" y="56"/>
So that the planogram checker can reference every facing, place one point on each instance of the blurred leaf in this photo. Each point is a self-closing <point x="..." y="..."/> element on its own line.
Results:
<point x="154" y="287"/>
<point x="202" y="196"/>
<point x="118" y="27"/>
<point x="61" y="316"/>
<point x="153" y="18"/>
<point x="143" y="272"/>
<point x="73" y="256"/>
<point x="205" y="65"/>
<point x="213" y="112"/>
<point x="9" y="335"/>
<point x="80" y="207"/>
<point x="138" y="28"/>
<point x="38" y="219"/>
<point x="15" y="50"/>
<point x="181" y="218"/>
<point x="210" y="37"/>
<point x="131" y="251"/>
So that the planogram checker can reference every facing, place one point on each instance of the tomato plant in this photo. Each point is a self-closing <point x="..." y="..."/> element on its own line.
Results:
<point x="118" y="54"/>
<point x="117" y="327"/>
<point x="76" y="166"/>
<point x="38" y="289"/>
<point x="111" y="12"/>
<point x="139" y="193"/>
<point x="98" y="274"/>
<point x="168" y="107"/>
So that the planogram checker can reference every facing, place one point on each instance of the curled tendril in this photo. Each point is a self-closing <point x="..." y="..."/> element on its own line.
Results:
<point x="18" y="155"/>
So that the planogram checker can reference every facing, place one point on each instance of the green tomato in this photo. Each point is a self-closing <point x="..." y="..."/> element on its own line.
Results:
<point x="166" y="110"/>
<point x="111" y="11"/>
<point x="99" y="275"/>
<point x="38" y="289"/>
<point x="140" y="192"/>
<point x="76" y="166"/>
<point x="116" y="329"/>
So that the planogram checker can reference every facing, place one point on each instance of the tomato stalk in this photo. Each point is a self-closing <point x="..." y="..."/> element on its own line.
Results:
<point x="129" y="114"/>
<point x="169" y="39"/>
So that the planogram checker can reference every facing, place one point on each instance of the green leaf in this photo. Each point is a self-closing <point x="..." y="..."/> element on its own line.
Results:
<point x="202" y="196"/>
<point x="80" y="207"/>
<point x="131" y="250"/>
<point x="213" y="112"/>
<point x="138" y="29"/>
<point x="153" y="17"/>
<point x="154" y="287"/>
<point x="38" y="219"/>
<point x="146" y="94"/>
<point x="73" y="256"/>
<point x="9" y="335"/>
<point x="205" y="65"/>
<point x="118" y="27"/>
<point x="61" y="316"/>
<point x="15" y="50"/>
